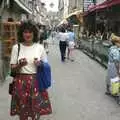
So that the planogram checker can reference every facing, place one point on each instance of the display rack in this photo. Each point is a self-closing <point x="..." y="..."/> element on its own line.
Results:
<point x="9" y="37"/>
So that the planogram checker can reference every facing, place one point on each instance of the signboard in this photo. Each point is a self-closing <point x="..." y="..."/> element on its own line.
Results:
<point x="88" y="4"/>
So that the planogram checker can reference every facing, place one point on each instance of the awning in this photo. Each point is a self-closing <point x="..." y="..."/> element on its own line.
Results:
<point x="64" y="21"/>
<point x="23" y="7"/>
<point x="74" y="13"/>
<point x="75" y="17"/>
<point x="103" y="5"/>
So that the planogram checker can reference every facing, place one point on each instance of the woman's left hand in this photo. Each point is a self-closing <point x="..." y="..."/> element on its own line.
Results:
<point x="36" y="62"/>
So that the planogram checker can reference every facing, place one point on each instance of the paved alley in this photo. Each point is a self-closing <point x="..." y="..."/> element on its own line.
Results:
<point x="77" y="92"/>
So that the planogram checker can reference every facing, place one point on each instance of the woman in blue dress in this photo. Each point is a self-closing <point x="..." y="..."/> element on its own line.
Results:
<point x="113" y="61"/>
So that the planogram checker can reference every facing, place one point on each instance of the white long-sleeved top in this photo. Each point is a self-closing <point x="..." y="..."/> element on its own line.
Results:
<point x="62" y="36"/>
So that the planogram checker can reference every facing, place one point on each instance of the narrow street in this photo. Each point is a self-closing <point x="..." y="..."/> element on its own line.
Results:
<point x="77" y="92"/>
<point x="78" y="86"/>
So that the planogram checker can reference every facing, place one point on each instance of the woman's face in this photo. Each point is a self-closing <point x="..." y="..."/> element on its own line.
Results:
<point x="28" y="35"/>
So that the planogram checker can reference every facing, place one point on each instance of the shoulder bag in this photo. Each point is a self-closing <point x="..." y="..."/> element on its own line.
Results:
<point x="13" y="74"/>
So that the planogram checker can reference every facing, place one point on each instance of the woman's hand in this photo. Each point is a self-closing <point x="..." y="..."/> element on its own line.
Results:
<point x="22" y="62"/>
<point x="17" y="67"/>
<point x="36" y="62"/>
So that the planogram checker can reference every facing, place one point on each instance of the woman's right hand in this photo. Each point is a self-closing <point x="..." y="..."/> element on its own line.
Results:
<point x="22" y="62"/>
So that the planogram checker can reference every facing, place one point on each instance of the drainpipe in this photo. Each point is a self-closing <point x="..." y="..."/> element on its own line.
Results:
<point x="94" y="1"/>
<point x="1" y="61"/>
<point x="1" y="12"/>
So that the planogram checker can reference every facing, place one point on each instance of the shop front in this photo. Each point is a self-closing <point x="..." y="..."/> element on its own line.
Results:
<point x="103" y="17"/>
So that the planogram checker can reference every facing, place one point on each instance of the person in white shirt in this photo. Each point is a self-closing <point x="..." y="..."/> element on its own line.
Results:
<point x="62" y="36"/>
<point x="26" y="97"/>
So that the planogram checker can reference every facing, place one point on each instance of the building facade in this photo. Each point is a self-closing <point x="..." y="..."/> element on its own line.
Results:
<point x="61" y="9"/>
<point x="66" y="8"/>
<point x="69" y="6"/>
<point x="15" y="9"/>
<point x="104" y="16"/>
<point x="20" y="10"/>
<point x="40" y="13"/>
<point x="75" y="5"/>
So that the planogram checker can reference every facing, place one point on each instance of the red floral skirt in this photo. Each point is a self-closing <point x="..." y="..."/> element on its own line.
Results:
<point x="27" y="100"/>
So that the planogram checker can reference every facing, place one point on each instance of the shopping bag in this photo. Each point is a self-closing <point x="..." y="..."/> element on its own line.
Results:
<point x="11" y="87"/>
<point x="115" y="86"/>
<point x="44" y="76"/>
<point x="14" y="72"/>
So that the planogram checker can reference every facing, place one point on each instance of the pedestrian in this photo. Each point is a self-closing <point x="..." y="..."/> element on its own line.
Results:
<point x="53" y="33"/>
<point x="45" y="39"/>
<point x="104" y="36"/>
<point x="62" y="36"/>
<point x="27" y="101"/>
<point x="113" y="62"/>
<point x="41" y="34"/>
<point x="71" y="44"/>
<point x="99" y="35"/>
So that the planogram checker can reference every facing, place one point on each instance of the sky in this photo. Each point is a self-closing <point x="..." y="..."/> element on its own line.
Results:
<point x="47" y="2"/>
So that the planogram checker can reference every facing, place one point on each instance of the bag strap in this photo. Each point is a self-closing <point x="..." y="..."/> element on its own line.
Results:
<point x="18" y="51"/>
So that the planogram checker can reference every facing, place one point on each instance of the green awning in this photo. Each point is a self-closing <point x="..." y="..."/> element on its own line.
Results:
<point x="73" y="19"/>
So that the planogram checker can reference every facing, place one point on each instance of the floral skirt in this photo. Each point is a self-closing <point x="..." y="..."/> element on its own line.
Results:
<point x="27" y="100"/>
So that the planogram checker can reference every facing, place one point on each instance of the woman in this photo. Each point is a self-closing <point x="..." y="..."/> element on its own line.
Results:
<point x="62" y="36"/>
<point x="71" y="44"/>
<point x="113" y="61"/>
<point x="27" y="101"/>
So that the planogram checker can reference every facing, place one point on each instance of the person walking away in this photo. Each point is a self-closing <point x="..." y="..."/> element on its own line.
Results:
<point x="40" y="35"/>
<point x="27" y="101"/>
<point x="43" y="35"/>
<point x="62" y="36"/>
<point x="113" y="62"/>
<point x="71" y="44"/>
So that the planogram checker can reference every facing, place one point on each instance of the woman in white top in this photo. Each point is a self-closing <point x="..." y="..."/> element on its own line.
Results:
<point x="26" y="98"/>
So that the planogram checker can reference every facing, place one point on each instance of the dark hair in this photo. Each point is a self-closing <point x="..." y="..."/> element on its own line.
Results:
<point x="62" y="29"/>
<point x="70" y="29"/>
<point x="27" y="25"/>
